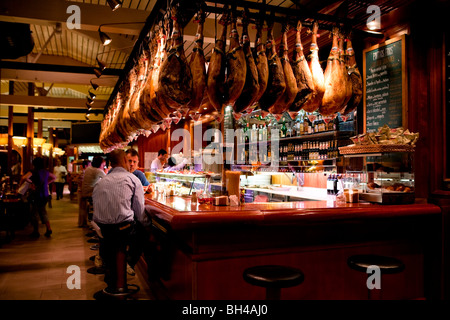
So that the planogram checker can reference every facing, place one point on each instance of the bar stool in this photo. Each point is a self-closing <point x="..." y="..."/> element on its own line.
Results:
<point x="387" y="265"/>
<point x="122" y="290"/>
<point x="273" y="278"/>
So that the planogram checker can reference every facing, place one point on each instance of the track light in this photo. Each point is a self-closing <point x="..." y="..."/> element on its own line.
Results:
<point x="92" y="95"/>
<point x="98" y="72"/>
<point x="101" y="64"/>
<point x="89" y="100"/>
<point x="104" y="38"/>
<point x="88" y="106"/>
<point x="114" y="4"/>
<point x="87" y="117"/>
<point x="94" y="85"/>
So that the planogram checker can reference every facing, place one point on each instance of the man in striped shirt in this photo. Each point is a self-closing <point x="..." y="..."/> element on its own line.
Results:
<point x="118" y="205"/>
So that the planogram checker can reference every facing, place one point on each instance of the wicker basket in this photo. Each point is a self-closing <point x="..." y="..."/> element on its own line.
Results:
<point x="376" y="148"/>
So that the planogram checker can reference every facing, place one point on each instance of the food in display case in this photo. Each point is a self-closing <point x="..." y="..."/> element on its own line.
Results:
<point x="386" y="178"/>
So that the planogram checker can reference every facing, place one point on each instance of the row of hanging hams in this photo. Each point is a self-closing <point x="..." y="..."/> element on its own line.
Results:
<point x="164" y="86"/>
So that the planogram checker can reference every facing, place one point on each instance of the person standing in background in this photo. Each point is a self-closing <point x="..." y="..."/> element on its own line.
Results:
<point x="60" y="173"/>
<point x="159" y="162"/>
<point x="39" y="178"/>
<point x="82" y="205"/>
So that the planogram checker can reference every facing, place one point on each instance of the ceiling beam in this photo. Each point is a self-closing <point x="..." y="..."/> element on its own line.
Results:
<point x="54" y="77"/>
<point x="49" y="102"/>
<point x="48" y="12"/>
<point x="55" y="68"/>
<point x="35" y="72"/>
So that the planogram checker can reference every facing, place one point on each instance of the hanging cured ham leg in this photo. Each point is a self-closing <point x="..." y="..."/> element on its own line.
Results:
<point x="262" y="64"/>
<point x="348" y="83"/>
<point x="175" y="77"/>
<point x="148" y="98"/>
<point x="251" y="87"/>
<point x="355" y="79"/>
<point x="302" y="73"/>
<point x="315" y="100"/>
<point x="276" y="84"/>
<point x="285" y="100"/>
<point x="216" y="69"/>
<point x="336" y="84"/>
<point x="137" y="118"/>
<point x="198" y="66"/>
<point x="236" y="67"/>
<point x="157" y="102"/>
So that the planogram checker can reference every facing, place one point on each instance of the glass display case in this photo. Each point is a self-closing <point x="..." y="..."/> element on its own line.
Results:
<point x="386" y="178"/>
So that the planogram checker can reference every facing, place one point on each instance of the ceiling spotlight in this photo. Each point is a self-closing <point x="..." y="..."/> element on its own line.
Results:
<point x="93" y="95"/>
<point x="94" y="85"/>
<point x="101" y="64"/>
<point x="104" y="38"/>
<point x="114" y="4"/>
<point x="98" y="72"/>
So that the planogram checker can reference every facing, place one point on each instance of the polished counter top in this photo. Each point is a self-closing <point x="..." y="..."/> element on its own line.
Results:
<point x="181" y="213"/>
<point x="294" y="192"/>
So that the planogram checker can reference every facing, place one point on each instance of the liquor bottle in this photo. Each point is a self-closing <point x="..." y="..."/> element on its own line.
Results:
<point x="305" y="125"/>
<point x="283" y="129"/>
<point x="329" y="184"/>
<point x="246" y="132"/>
<point x="264" y="133"/>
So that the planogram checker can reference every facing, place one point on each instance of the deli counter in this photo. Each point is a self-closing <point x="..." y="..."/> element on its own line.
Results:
<point x="200" y="250"/>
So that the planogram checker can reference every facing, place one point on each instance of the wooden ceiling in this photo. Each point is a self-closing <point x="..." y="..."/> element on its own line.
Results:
<point x="77" y="49"/>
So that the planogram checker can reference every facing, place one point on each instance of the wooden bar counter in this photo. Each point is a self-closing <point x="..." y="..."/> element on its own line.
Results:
<point x="199" y="251"/>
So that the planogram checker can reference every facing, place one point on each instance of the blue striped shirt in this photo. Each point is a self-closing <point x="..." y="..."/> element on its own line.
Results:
<point x="118" y="197"/>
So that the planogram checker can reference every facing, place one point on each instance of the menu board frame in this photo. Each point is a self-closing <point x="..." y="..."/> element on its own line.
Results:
<point x="446" y="83"/>
<point x="404" y="78"/>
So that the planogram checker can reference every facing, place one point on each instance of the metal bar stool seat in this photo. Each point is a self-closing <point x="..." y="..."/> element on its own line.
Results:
<point x="273" y="278"/>
<point x="386" y="265"/>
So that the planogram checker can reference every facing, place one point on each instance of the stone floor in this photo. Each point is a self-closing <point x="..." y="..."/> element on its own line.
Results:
<point x="37" y="269"/>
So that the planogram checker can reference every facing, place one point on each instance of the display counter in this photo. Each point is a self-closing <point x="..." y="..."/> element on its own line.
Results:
<point x="203" y="249"/>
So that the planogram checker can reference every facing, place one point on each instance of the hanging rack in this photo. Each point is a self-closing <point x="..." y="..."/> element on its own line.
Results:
<point x="264" y="13"/>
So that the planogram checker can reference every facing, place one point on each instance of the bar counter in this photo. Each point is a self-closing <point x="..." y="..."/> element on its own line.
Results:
<point x="201" y="250"/>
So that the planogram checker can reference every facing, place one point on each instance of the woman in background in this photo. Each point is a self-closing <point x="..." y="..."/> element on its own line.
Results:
<point x="39" y="178"/>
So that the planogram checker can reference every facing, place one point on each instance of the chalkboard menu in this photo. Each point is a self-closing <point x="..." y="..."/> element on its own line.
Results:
<point x="385" y="85"/>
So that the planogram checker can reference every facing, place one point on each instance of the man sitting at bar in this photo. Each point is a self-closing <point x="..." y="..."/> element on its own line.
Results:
<point x="159" y="162"/>
<point x="118" y="208"/>
<point x="133" y="161"/>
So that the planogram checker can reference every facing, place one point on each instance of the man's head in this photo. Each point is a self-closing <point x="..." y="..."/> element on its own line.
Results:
<point x="98" y="162"/>
<point x="172" y="162"/>
<point x="117" y="158"/>
<point x="162" y="156"/>
<point x="132" y="159"/>
<point x="86" y="163"/>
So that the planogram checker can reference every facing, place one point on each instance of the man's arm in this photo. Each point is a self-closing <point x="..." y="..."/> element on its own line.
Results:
<point x="138" y="206"/>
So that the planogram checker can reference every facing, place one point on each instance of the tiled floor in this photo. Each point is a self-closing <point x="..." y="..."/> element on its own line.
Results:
<point x="36" y="269"/>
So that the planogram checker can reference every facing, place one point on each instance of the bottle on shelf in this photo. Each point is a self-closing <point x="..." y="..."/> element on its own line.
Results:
<point x="246" y="132"/>
<point x="283" y="129"/>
